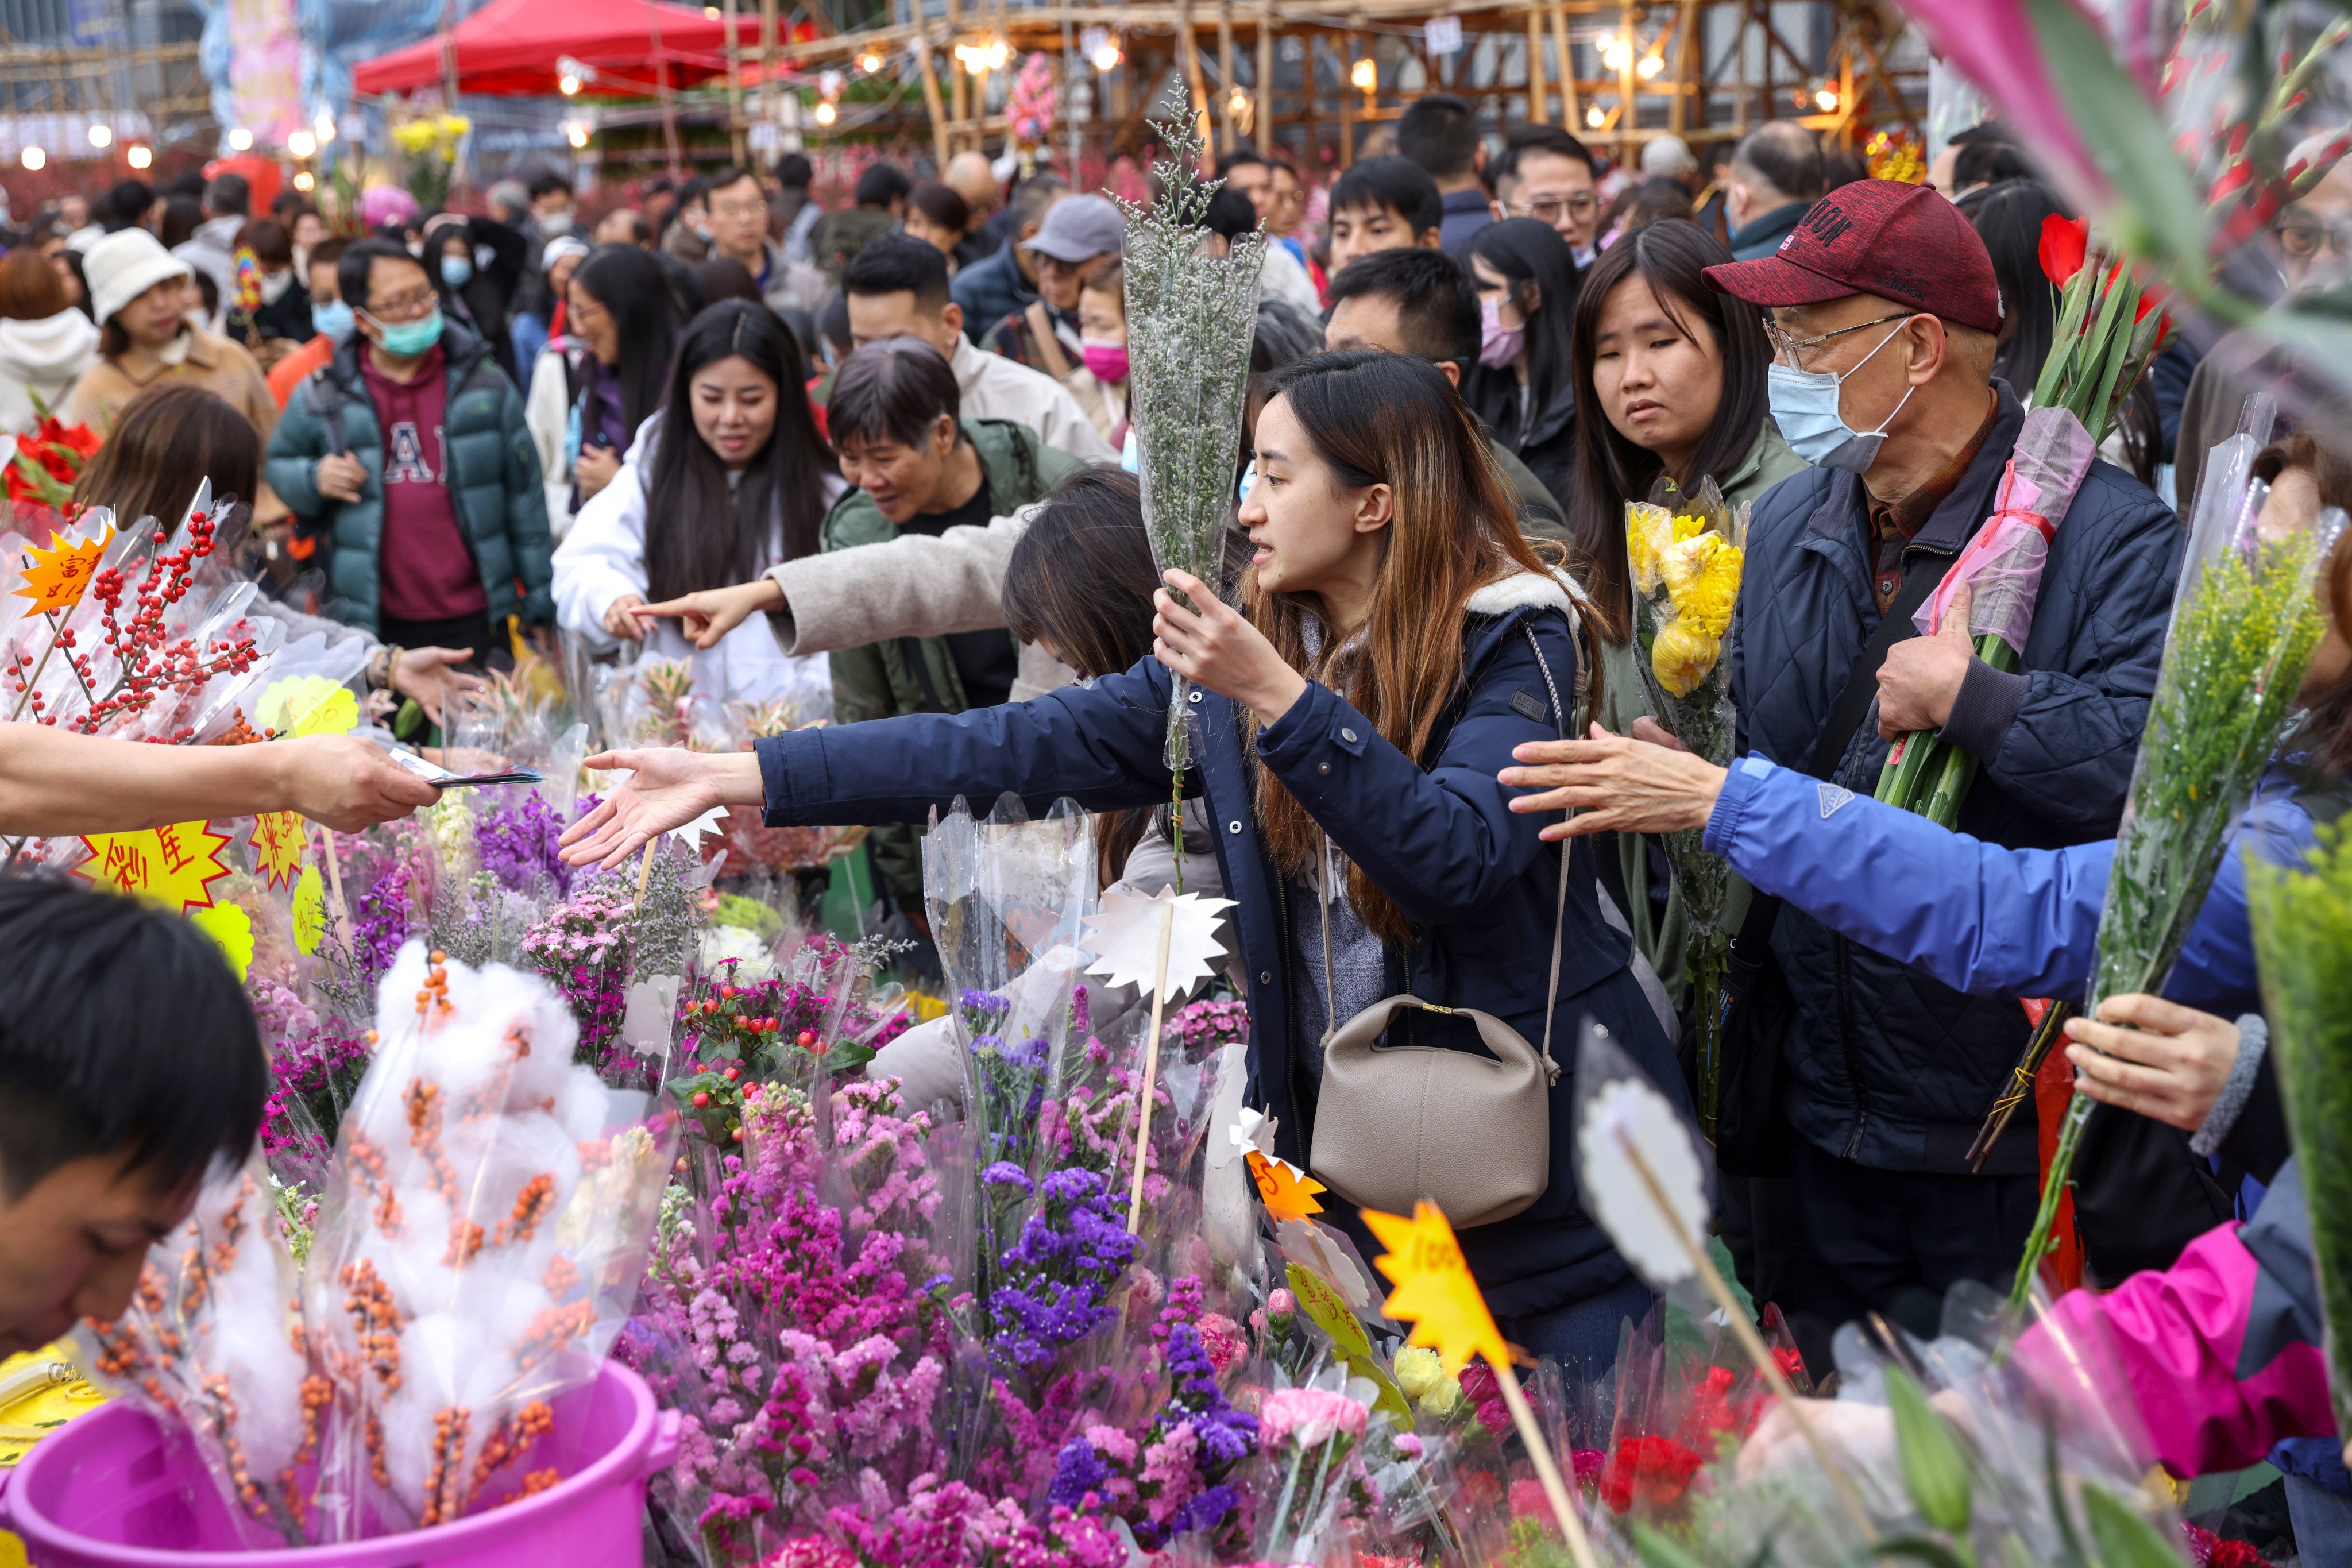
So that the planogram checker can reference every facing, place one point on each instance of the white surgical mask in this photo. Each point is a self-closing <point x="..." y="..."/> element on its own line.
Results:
<point x="275" y="284"/>
<point x="1805" y="406"/>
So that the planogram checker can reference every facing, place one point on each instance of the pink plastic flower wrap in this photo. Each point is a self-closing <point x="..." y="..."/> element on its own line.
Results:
<point x="2003" y="565"/>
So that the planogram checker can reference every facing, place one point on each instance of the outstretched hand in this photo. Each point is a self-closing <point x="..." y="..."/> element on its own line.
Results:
<point x="712" y="612"/>
<point x="1616" y="784"/>
<point x="665" y="788"/>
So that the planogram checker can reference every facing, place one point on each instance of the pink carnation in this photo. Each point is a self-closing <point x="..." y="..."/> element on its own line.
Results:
<point x="1221" y="1337"/>
<point x="1309" y="1416"/>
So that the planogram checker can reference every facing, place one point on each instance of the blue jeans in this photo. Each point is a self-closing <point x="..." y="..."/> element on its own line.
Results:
<point x="2323" y="1523"/>
<point x="1582" y="1335"/>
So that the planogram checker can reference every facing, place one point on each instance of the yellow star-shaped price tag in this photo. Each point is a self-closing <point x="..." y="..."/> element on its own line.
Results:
<point x="174" y="866"/>
<point x="1288" y="1192"/>
<point x="277" y="843"/>
<point x="56" y="578"/>
<point x="309" y="912"/>
<point x="232" y="928"/>
<point x="1435" y="1292"/>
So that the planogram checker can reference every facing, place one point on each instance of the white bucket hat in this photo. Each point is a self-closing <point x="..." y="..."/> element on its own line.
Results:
<point x="123" y="265"/>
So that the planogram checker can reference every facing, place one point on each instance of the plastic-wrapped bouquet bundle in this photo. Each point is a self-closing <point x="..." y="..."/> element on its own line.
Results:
<point x="2001" y="569"/>
<point x="483" y="1232"/>
<point x="1191" y="317"/>
<point x="2245" y="621"/>
<point x="791" y="1317"/>
<point x="481" y="1239"/>
<point x="1007" y="897"/>
<point x="214" y="1335"/>
<point x="1687" y="555"/>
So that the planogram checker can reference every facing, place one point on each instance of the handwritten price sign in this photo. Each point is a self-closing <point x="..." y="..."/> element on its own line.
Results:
<point x="176" y="867"/>
<point x="56" y="578"/>
<point x="1288" y="1192"/>
<point x="1435" y="1292"/>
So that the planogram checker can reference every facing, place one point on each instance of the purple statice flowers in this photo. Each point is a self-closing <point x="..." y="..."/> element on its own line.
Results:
<point x="1053" y="1281"/>
<point x="518" y="846"/>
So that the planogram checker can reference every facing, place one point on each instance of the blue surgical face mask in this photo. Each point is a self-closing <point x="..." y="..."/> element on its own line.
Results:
<point x="406" y="340"/>
<point x="1805" y="406"/>
<point x="457" y="272"/>
<point x="333" y="318"/>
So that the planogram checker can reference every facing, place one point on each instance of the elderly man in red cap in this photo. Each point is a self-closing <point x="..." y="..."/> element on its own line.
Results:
<point x="1882" y="312"/>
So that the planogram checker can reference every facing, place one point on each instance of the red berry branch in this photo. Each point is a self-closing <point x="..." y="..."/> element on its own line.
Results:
<point x="149" y="664"/>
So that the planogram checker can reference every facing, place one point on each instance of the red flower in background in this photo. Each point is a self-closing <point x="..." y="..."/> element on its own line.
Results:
<point x="2065" y="245"/>
<point x="1653" y="1472"/>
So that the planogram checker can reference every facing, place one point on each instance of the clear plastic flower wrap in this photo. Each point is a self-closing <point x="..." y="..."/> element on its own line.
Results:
<point x="1191" y="316"/>
<point x="1687" y="555"/>
<point x="2245" y="621"/>
<point x="480" y="1242"/>
<point x="482" y="1236"/>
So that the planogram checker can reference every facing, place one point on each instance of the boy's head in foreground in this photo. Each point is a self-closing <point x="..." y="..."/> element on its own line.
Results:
<point x="129" y="1064"/>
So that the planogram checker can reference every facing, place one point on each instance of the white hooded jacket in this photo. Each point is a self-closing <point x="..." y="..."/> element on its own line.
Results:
<point x="41" y="359"/>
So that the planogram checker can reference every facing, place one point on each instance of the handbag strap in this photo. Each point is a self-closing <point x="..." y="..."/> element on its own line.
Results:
<point x="1560" y="908"/>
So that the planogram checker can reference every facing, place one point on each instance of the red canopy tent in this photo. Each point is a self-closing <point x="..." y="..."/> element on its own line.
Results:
<point x="510" y="48"/>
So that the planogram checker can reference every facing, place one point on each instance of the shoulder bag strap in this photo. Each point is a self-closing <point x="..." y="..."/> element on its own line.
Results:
<point x="1560" y="908"/>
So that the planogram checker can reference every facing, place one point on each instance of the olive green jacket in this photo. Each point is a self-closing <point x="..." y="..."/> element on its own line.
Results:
<point x="918" y="675"/>
<point x="1624" y="697"/>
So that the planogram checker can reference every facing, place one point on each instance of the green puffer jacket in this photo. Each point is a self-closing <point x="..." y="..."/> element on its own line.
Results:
<point x="493" y="473"/>
<point x="918" y="675"/>
<point x="1663" y="935"/>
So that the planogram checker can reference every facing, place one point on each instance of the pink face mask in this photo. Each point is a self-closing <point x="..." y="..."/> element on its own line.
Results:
<point x="1498" y="345"/>
<point x="1107" y="361"/>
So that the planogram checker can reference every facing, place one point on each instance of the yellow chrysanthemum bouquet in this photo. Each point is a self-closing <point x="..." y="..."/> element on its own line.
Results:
<point x="1686" y="552"/>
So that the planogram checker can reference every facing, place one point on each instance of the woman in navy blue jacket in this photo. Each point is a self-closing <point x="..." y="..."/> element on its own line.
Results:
<point x="1397" y="638"/>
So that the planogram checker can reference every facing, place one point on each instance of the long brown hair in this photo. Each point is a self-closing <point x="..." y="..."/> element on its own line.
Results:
<point x="1393" y="420"/>
<point x="165" y="441"/>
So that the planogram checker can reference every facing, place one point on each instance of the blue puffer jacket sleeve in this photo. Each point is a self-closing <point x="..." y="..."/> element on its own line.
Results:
<point x="1979" y="918"/>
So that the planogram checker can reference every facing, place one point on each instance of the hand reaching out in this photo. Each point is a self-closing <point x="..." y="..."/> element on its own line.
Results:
<point x="1640" y="786"/>
<point x="665" y="788"/>
<point x="713" y="613"/>
<point x="430" y="674"/>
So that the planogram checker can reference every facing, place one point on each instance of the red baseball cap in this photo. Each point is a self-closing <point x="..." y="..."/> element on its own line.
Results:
<point x="1901" y="242"/>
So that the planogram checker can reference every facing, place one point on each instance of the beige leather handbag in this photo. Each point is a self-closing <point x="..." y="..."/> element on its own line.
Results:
<point x="1398" y="1123"/>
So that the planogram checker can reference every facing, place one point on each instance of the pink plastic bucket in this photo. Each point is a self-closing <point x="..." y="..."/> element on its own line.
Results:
<point x="107" y="1491"/>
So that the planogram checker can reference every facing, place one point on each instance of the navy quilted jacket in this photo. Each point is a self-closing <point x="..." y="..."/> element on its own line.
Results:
<point x="1886" y="1065"/>
<point x="1435" y="832"/>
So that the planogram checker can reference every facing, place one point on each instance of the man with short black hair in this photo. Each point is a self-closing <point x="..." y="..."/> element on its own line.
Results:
<point x="1380" y="204"/>
<point x="1440" y="132"/>
<point x="551" y="203"/>
<point x="1004" y="283"/>
<point x="881" y="203"/>
<point x="130" y="1067"/>
<point x="898" y="287"/>
<point x="738" y="231"/>
<point x="1776" y="177"/>
<point x="924" y="461"/>
<point x="1546" y="173"/>
<point x="409" y="458"/>
<point x="1425" y="303"/>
